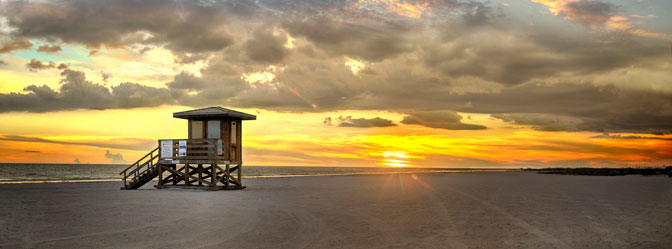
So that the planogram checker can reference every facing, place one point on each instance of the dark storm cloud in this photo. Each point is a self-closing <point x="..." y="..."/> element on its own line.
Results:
<point x="577" y="107"/>
<point x="348" y="121"/>
<point x="187" y="81"/>
<point x="181" y="26"/>
<point x="15" y="44"/>
<point x="49" y="48"/>
<point x="373" y="42"/>
<point x="190" y="90"/>
<point x="78" y="93"/>
<point x="512" y="58"/>
<point x="440" y="119"/>
<point x="266" y="47"/>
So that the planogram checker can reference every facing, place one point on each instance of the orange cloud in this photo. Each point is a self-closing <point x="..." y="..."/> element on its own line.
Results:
<point x="599" y="15"/>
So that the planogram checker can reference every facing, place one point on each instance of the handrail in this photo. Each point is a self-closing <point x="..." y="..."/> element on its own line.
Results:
<point x="145" y="156"/>
<point x="141" y="166"/>
<point x="137" y="162"/>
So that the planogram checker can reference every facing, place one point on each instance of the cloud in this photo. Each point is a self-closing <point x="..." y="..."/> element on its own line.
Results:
<point x="589" y="12"/>
<point x="116" y="158"/>
<point x="32" y="151"/>
<point x="618" y="136"/>
<point x="514" y="58"/>
<point x="266" y="47"/>
<point x="348" y="121"/>
<point x="439" y="119"/>
<point x="457" y="56"/>
<point x="36" y="65"/>
<point x="600" y="15"/>
<point x="369" y="42"/>
<point x="477" y="14"/>
<point x="118" y="143"/>
<point x="578" y="107"/>
<point x="179" y="26"/>
<point x="15" y="44"/>
<point x="105" y="76"/>
<point x="542" y="122"/>
<point x="46" y="48"/>
<point x="3" y="63"/>
<point x="78" y="93"/>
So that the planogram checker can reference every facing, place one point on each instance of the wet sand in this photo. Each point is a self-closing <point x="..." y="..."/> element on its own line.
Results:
<point x="433" y="210"/>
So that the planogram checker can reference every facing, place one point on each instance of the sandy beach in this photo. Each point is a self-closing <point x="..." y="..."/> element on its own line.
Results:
<point x="432" y="210"/>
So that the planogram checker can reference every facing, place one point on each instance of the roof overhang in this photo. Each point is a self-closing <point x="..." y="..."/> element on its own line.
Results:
<point x="214" y="112"/>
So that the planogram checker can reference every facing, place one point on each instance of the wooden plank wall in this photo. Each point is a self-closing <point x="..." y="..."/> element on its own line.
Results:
<point x="233" y="152"/>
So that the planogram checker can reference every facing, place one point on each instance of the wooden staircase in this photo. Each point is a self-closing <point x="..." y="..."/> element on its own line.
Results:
<point x="142" y="171"/>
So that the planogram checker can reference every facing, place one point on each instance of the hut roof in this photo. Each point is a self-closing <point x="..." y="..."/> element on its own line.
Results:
<point x="213" y="112"/>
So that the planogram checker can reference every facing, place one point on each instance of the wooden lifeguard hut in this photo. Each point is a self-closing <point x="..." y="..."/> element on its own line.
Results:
<point x="210" y="158"/>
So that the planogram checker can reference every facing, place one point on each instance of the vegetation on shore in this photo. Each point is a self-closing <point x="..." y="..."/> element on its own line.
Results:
<point x="606" y="171"/>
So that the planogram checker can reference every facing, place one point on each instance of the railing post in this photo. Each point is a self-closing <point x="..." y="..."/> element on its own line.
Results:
<point x="240" y="170"/>
<point x="213" y="168"/>
<point x="186" y="174"/>
<point x="226" y="174"/>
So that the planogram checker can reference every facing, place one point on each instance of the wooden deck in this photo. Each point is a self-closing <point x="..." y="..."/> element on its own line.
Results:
<point x="188" y="163"/>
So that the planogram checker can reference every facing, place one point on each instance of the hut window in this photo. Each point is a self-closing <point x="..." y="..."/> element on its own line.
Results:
<point x="233" y="132"/>
<point x="196" y="129"/>
<point x="214" y="129"/>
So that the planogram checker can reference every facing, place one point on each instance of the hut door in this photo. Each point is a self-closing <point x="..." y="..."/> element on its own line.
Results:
<point x="196" y="129"/>
<point x="214" y="129"/>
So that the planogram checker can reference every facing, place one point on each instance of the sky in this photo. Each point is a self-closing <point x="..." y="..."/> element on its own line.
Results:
<point x="377" y="83"/>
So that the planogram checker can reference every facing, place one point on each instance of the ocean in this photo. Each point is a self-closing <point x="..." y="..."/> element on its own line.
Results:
<point x="12" y="173"/>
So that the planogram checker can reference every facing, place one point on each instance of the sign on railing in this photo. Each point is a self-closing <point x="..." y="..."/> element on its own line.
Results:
<point x="219" y="147"/>
<point x="182" y="149"/>
<point x="166" y="148"/>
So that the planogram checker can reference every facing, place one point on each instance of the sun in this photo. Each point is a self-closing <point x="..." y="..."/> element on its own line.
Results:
<point x="394" y="159"/>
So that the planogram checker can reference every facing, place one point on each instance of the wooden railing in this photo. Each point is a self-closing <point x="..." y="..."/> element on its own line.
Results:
<point x="184" y="150"/>
<point x="142" y="166"/>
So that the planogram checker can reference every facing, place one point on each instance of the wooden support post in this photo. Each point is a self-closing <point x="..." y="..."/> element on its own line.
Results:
<point x="226" y="177"/>
<point x="213" y="172"/>
<point x="200" y="173"/>
<point x="175" y="179"/>
<point x="186" y="175"/>
<point x="240" y="173"/>
<point x="160" y="174"/>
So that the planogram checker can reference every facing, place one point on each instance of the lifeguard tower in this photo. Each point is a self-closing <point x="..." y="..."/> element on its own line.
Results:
<point x="210" y="159"/>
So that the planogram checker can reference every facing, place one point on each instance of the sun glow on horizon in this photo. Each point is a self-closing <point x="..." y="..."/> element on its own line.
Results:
<point x="393" y="158"/>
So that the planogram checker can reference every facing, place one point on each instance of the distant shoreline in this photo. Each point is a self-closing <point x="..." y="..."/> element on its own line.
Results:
<point x="606" y="171"/>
